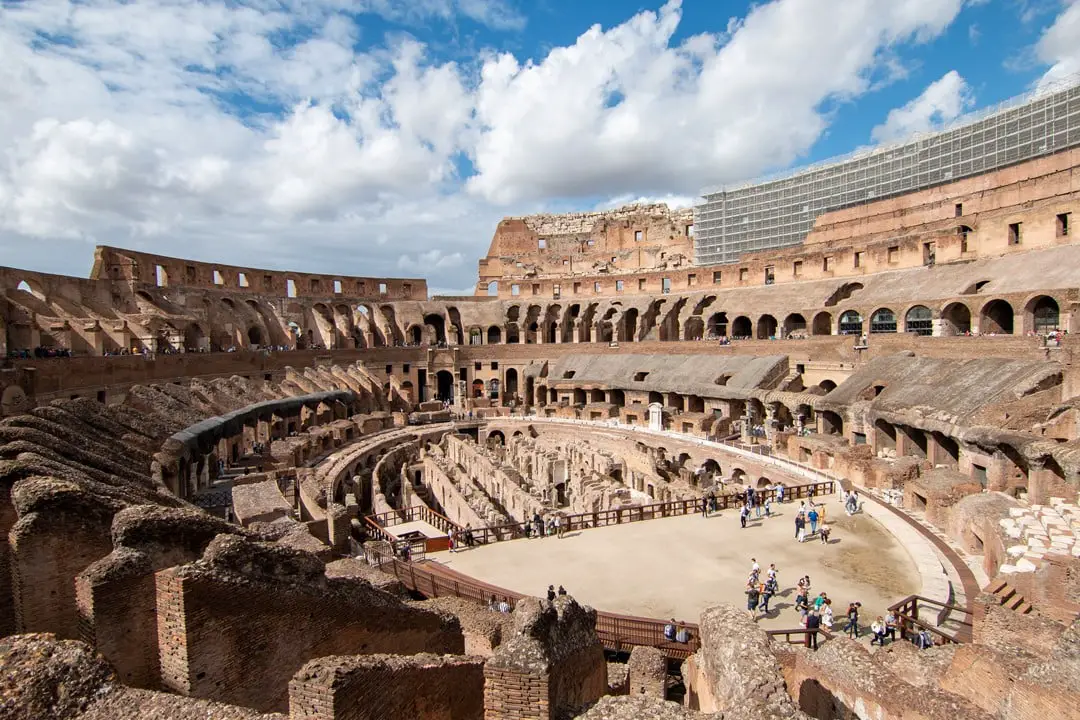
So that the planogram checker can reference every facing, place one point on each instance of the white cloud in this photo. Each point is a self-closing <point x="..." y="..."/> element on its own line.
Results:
<point x="278" y="133"/>
<point x="627" y="111"/>
<point x="942" y="101"/>
<point x="1059" y="46"/>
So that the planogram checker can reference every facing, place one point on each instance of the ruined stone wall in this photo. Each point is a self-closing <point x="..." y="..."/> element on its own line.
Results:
<point x="388" y="687"/>
<point x="236" y="626"/>
<point x="499" y="481"/>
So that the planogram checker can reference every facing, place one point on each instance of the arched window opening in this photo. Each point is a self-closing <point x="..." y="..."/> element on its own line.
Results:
<point x="883" y="321"/>
<point x="919" y="320"/>
<point x="1046" y="316"/>
<point x="851" y="323"/>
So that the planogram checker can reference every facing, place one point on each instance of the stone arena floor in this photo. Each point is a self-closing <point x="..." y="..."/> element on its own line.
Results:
<point x="677" y="567"/>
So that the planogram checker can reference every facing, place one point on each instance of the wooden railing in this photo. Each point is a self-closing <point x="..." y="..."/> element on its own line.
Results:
<point x="907" y="613"/>
<point x="584" y="521"/>
<point x="801" y="635"/>
<point x="619" y="633"/>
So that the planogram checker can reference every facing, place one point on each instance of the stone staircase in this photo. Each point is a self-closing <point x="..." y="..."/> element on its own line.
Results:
<point x="1009" y="597"/>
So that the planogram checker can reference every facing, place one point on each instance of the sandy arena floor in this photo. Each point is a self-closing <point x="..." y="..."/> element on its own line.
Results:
<point x="676" y="567"/>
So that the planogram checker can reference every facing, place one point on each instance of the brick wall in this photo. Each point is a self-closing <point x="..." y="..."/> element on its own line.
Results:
<point x="119" y="619"/>
<point x="389" y="687"/>
<point x="240" y="641"/>
<point x="648" y="672"/>
<point x="513" y="695"/>
<point x="47" y="553"/>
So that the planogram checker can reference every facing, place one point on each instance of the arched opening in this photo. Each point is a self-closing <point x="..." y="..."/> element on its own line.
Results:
<point x="494" y="335"/>
<point x="416" y="335"/>
<point x="675" y="400"/>
<point x="766" y="327"/>
<point x="884" y="436"/>
<point x="694" y="329"/>
<point x="919" y="320"/>
<point x="493" y="389"/>
<point x="851" y="323"/>
<point x="512" y="337"/>
<point x="541" y="395"/>
<point x="617" y="397"/>
<point x="580" y="398"/>
<point x="493" y="289"/>
<point x="1045" y="315"/>
<point x="794" y="326"/>
<point x="629" y="325"/>
<point x="444" y="386"/>
<point x="823" y="323"/>
<point x="438" y="324"/>
<point x="831" y="423"/>
<point x="997" y="318"/>
<point x="496" y="437"/>
<point x="883" y="321"/>
<point x="475" y="336"/>
<point x="478" y="388"/>
<point x="407" y="391"/>
<point x="741" y="328"/>
<point x="511" y="388"/>
<point x="655" y="397"/>
<point x="956" y="319"/>
<point x="695" y="404"/>
<point x="195" y="338"/>
<point x="254" y="335"/>
<point x="842" y="293"/>
<point x="827" y="385"/>
<point x="718" y="325"/>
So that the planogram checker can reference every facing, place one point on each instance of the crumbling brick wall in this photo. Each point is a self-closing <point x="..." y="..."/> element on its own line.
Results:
<point x="389" y="687"/>
<point x="648" y="672"/>
<point x="237" y="625"/>
<point x="551" y="667"/>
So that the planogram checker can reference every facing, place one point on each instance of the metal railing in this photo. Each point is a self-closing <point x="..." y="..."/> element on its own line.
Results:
<point x="802" y="635"/>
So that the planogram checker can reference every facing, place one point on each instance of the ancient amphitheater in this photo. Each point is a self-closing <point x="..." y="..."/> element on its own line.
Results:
<point x="230" y="492"/>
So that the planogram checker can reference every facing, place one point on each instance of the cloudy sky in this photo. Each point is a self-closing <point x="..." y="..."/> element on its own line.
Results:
<point x="387" y="137"/>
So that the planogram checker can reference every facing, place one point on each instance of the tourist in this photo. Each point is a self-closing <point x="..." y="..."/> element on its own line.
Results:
<point x="744" y="514"/>
<point x="813" y="624"/>
<point x="470" y="540"/>
<point x="682" y="635"/>
<point x="669" y="630"/>
<point x="768" y="589"/>
<point x="538" y="524"/>
<point x="771" y="572"/>
<point x="891" y="624"/>
<point x="878" y="629"/>
<point x="823" y="533"/>
<point x="768" y="507"/>
<point x="820" y="600"/>
<point x="852" y="626"/>
<point x="704" y="507"/>
<point x="450" y="535"/>
<point x="753" y="597"/>
<point x="779" y="493"/>
<point x="827" y="615"/>
<point x="800" y="527"/>
<point x="812" y="516"/>
<point x="712" y="501"/>
<point x="551" y="593"/>
<point x="562" y="590"/>
<point x="557" y="522"/>
<point x="754" y="567"/>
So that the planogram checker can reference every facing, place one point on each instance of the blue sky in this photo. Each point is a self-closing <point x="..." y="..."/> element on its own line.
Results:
<point x="387" y="137"/>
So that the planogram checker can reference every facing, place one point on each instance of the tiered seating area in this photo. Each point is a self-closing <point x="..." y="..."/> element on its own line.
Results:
<point x="1042" y="530"/>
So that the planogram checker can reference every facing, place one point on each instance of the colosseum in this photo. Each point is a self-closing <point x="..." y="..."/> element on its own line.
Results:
<point x="238" y="493"/>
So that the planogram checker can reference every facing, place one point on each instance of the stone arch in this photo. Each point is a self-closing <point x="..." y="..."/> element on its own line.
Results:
<point x="766" y="327"/>
<point x="629" y="323"/>
<point x="883" y="320"/>
<point x="851" y="323"/>
<point x="512" y="336"/>
<point x="956" y="319"/>
<point x="493" y="289"/>
<point x="1042" y="314"/>
<point x="195" y="338"/>
<point x="415" y="334"/>
<point x="718" y="325"/>
<point x="254" y="336"/>
<point x="831" y="422"/>
<point x="478" y="388"/>
<point x="694" y="329"/>
<point x="742" y="328"/>
<point x="510" y="388"/>
<point x="438" y="325"/>
<point x="494" y="335"/>
<point x="996" y="317"/>
<point x="476" y="336"/>
<point x="919" y="320"/>
<point x="827" y="385"/>
<point x="823" y="324"/>
<point x="794" y="324"/>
